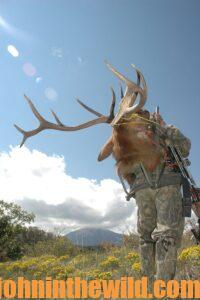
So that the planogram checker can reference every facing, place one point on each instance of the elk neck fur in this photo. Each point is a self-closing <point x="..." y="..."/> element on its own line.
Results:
<point x="133" y="142"/>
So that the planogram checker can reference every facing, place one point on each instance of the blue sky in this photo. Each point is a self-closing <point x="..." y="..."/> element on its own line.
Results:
<point x="62" y="46"/>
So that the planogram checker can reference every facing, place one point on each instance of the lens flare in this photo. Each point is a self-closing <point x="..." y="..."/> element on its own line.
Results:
<point x="29" y="69"/>
<point x="38" y="79"/>
<point x="57" y="52"/>
<point x="50" y="93"/>
<point x="13" y="50"/>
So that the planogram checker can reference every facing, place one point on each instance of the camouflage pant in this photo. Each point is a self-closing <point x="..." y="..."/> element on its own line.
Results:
<point x="160" y="226"/>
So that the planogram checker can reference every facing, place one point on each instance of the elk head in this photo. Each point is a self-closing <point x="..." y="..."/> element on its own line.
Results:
<point x="131" y="141"/>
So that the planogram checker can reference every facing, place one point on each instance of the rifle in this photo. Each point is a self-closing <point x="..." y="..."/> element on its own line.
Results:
<point x="191" y="193"/>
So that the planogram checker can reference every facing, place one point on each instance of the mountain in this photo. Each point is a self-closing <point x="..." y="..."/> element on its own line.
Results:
<point x="94" y="237"/>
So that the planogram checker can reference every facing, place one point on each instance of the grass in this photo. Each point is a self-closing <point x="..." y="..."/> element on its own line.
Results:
<point x="102" y="264"/>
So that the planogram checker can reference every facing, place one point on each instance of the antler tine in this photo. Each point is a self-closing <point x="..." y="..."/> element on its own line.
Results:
<point x="56" y="118"/>
<point x="34" y="110"/>
<point x="27" y="134"/>
<point x="132" y="91"/>
<point x="143" y="95"/>
<point x="89" y="108"/>
<point x="138" y="84"/>
<point x="141" y="77"/>
<point x="131" y="86"/>
<point x="24" y="134"/>
<point x="121" y="91"/>
<point x="112" y="107"/>
<point x="44" y="124"/>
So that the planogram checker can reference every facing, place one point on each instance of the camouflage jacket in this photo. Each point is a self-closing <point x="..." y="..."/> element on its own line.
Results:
<point x="179" y="141"/>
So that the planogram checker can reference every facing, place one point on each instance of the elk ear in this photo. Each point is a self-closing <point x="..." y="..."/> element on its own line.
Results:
<point x="106" y="150"/>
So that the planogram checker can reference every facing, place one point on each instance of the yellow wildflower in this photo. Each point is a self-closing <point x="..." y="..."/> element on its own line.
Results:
<point x="132" y="257"/>
<point x="191" y="253"/>
<point x="111" y="262"/>
<point x="136" y="266"/>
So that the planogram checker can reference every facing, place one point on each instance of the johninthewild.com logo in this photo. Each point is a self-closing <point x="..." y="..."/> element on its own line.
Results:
<point x="76" y="288"/>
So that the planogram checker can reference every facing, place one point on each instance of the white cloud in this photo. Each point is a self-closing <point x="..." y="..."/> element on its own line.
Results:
<point x="40" y="184"/>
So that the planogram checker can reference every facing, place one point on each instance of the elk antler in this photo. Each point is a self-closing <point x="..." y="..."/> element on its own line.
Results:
<point x="132" y="90"/>
<point x="44" y="124"/>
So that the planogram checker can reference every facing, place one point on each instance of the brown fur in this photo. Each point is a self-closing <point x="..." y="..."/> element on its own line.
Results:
<point x="134" y="142"/>
<point x="106" y="150"/>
